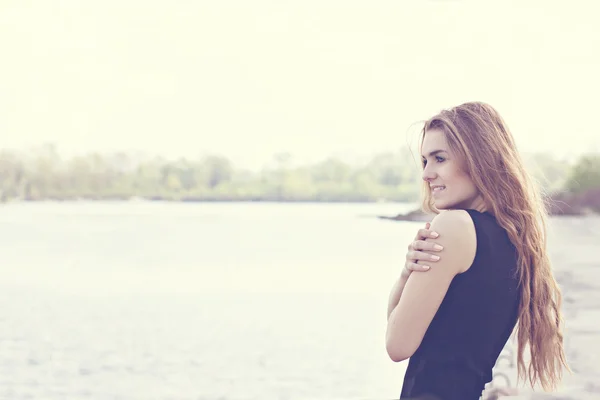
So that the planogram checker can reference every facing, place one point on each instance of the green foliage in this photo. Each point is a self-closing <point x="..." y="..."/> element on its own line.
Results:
<point x="45" y="176"/>
<point x="390" y="176"/>
<point x="548" y="171"/>
<point x="585" y="174"/>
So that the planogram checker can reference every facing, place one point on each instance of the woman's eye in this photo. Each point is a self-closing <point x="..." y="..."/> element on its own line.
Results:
<point x="439" y="159"/>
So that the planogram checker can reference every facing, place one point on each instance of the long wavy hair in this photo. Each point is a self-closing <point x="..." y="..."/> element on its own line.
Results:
<point x="477" y="133"/>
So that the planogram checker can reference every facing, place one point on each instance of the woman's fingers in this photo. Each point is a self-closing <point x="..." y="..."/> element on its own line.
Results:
<point x="411" y="266"/>
<point x="425" y="233"/>
<point x="425" y="246"/>
<point x="414" y="256"/>
<point x="417" y="250"/>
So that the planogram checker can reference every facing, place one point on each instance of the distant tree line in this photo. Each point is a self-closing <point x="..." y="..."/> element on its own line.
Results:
<point x="395" y="176"/>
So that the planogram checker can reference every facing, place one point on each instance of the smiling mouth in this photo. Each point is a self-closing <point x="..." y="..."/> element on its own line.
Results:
<point x="438" y="188"/>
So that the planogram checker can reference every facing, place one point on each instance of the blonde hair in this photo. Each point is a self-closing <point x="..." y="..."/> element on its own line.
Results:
<point x="476" y="132"/>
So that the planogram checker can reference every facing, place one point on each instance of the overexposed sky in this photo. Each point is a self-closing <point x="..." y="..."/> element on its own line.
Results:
<point x="248" y="79"/>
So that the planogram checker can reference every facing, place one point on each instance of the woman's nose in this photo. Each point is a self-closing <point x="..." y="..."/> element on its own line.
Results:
<point x="428" y="174"/>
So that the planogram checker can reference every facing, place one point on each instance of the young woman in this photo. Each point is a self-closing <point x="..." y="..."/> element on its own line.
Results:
<point x="494" y="272"/>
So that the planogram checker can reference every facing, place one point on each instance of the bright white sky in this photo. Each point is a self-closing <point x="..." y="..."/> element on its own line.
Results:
<point x="248" y="79"/>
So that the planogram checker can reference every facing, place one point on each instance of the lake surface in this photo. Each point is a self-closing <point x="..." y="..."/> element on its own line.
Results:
<point x="222" y="301"/>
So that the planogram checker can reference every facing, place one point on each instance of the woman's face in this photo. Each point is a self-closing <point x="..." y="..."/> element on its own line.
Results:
<point x="450" y="185"/>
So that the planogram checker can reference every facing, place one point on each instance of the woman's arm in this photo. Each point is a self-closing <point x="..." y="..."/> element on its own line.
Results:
<point x="396" y="292"/>
<point x="421" y="296"/>
<point x="418" y="250"/>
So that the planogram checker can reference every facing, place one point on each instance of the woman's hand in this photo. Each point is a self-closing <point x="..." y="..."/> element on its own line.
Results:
<point x="418" y="251"/>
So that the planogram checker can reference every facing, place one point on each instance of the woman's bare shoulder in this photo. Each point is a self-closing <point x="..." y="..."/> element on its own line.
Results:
<point x="458" y="236"/>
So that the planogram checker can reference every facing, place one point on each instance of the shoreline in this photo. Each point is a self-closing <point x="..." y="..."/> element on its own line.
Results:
<point x="416" y="215"/>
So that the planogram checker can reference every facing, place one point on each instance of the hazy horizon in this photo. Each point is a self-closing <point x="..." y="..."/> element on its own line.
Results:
<point x="313" y="79"/>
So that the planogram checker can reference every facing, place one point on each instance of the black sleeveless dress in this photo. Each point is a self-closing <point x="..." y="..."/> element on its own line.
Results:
<point x="472" y="325"/>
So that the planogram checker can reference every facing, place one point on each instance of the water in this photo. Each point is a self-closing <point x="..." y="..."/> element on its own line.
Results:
<point x="227" y="301"/>
<point x="198" y="301"/>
